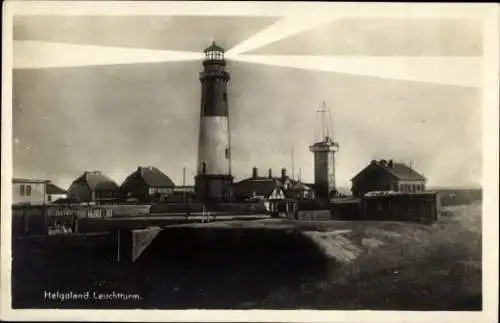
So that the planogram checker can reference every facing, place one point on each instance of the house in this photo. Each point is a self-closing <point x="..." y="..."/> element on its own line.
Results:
<point x="270" y="187"/>
<point x="93" y="186"/>
<point x="385" y="176"/>
<point x="53" y="193"/>
<point x="300" y="191"/>
<point x="257" y="187"/>
<point x="29" y="191"/>
<point x="147" y="183"/>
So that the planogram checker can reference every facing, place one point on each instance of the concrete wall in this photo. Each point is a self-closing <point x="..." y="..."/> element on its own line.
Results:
<point x="35" y="194"/>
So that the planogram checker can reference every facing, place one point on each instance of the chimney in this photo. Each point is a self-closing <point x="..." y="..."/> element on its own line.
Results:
<point x="383" y="162"/>
<point x="391" y="163"/>
<point x="373" y="162"/>
<point x="283" y="173"/>
<point x="254" y="172"/>
<point x="270" y="173"/>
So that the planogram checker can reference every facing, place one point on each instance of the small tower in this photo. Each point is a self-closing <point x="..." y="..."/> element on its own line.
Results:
<point x="324" y="150"/>
<point x="213" y="179"/>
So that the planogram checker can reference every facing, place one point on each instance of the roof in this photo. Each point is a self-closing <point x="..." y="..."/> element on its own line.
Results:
<point x="153" y="177"/>
<point x="97" y="181"/>
<point x="397" y="170"/>
<point x="259" y="186"/>
<point x="298" y="186"/>
<point x="27" y="181"/>
<point x="53" y="189"/>
<point x="214" y="47"/>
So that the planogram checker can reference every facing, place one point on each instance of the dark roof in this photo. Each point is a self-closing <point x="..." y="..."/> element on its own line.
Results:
<point x="214" y="47"/>
<point x="97" y="181"/>
<point x="153" y="177"/>
<point x="397" y="170"/>
<point x="259" y="186"/>
<point x="53" y="189"/>
<point x="27" y="180"/>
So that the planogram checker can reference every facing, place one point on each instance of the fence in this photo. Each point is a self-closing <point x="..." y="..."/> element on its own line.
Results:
<point x="129" y="210"/>
<point x="44" y="219"/>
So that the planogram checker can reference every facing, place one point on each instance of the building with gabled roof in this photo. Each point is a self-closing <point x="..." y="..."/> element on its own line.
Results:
<point x="386" y="175"/>
<point x="271" y="187"/>
<point x="29" y="191"/>
<point x="54" y="192"/>
<point x="94" y="186"/>
<point x="147" y="183"/>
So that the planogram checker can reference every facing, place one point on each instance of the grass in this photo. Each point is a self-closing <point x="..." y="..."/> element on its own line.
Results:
<point x="402" y="266"/>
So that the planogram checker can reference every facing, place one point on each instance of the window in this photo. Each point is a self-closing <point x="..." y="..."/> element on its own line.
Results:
<point x="227" y="153"/>
<point x="203" y="167"/>
<point x="21" y="190"/>
<point x="28" y="190"/>
<point x="224" y="97"/>
<point x="49" y="198"/>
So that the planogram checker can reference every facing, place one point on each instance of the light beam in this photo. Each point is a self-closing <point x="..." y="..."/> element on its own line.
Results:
<point x="458" y="71"/>
<point x="39" y="54"/>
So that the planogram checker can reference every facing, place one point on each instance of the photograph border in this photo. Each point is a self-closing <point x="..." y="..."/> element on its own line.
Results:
<point x="489" y="13"/>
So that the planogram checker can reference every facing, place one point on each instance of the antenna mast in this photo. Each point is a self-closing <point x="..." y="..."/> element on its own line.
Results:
<point x="326" y="131"/>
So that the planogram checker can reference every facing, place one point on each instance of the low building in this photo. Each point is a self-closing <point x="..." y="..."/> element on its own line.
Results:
<point x="147" y="183"/>
<point x="29" y="191"/>
<point x="54" y="193"/>
<point x="383" y="175"/>
<point x="258" y="187"/>
<point x="272" y="187"/>
<point x="300" y="191"/>
<point x="94" y="186"/>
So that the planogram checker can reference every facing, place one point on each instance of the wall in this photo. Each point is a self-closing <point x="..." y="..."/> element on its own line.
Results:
<point x="37" y="194"/>
<point x="424" y="207"/>
<point x="349" y="210"/>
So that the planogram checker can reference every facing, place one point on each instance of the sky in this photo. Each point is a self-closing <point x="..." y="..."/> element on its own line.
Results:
<point x="112" y="93"/>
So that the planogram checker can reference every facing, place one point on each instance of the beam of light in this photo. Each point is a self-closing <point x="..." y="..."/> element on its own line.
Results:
<point x="39" y="54"/>
<point x="305" y="16"/>
<point x="458" y="71"/>
<point x="292" y="23"/>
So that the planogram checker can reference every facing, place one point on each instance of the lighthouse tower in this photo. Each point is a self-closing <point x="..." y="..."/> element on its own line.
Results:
<point x="324" y="151"/>
<point x="213" y="180"/>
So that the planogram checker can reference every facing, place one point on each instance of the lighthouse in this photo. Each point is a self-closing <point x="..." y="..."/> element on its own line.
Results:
<point x="213" y="179"/>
